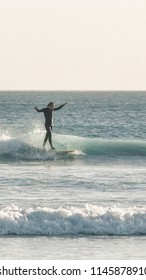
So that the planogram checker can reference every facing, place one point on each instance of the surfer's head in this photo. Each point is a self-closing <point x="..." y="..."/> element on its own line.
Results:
<point x="51" y="105"/>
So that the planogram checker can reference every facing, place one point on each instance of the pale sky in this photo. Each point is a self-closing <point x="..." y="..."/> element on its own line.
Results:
<point x="72" y="44"/>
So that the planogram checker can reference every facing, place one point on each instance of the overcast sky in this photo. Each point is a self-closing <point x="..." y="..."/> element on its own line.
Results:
<point x="73" y="44"/>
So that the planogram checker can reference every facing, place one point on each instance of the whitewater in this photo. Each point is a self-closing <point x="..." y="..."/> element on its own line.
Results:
<point x="89" y="203"/>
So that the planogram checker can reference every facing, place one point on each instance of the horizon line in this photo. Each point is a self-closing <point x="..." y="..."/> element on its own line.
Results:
<point x="71" y="90"/>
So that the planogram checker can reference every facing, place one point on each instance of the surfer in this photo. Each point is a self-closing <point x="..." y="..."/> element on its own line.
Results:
<point x="49" y="120"/>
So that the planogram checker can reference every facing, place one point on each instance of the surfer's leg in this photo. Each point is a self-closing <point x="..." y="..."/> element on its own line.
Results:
<point x="46" y="138"/>
<point x="49" y="131"/>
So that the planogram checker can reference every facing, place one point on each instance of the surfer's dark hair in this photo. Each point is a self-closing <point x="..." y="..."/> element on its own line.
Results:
<point x="50" y="104"/>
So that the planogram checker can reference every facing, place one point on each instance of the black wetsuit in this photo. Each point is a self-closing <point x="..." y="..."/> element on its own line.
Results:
<point x="49" y="122"/>
<point x="48" y="115"/>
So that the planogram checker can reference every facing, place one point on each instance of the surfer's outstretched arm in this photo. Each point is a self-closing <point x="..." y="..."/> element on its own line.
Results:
<point x="58" y="108"/>
<point x="38" y="110"/>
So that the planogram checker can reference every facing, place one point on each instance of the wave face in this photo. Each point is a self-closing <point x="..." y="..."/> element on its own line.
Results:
<point x="97" y="146"/>
<point x="21" y="149"/>
<point x="90" y="220"/>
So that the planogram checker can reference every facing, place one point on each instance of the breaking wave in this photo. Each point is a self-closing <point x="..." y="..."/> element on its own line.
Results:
<point x="87" y="220"/>
<point x="28" y="148"/>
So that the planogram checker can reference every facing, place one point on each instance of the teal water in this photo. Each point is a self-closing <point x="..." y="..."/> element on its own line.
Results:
<point x="95" y="194"/>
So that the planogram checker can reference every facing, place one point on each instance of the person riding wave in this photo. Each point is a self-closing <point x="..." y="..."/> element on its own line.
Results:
<point x="48" y="112"/>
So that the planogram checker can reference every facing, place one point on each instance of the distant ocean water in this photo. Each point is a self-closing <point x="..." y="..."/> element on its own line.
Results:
<point x="87" y="204"/>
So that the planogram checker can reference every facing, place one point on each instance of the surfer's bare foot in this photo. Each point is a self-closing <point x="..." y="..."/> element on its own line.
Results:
<point x="52" y="148"/>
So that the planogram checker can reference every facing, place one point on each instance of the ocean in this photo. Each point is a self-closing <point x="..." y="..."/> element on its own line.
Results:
<point x="87" y="204"/>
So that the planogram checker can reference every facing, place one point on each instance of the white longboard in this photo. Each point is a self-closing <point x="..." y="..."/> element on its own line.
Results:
<point x="64" y="152"/>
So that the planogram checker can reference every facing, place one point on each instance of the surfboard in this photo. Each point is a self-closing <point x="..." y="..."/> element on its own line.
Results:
<point x="63" y="152"/>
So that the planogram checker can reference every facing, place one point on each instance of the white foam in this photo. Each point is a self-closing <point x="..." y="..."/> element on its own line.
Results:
<point x="9" y="144"/>
<point x="88" y="220"/>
